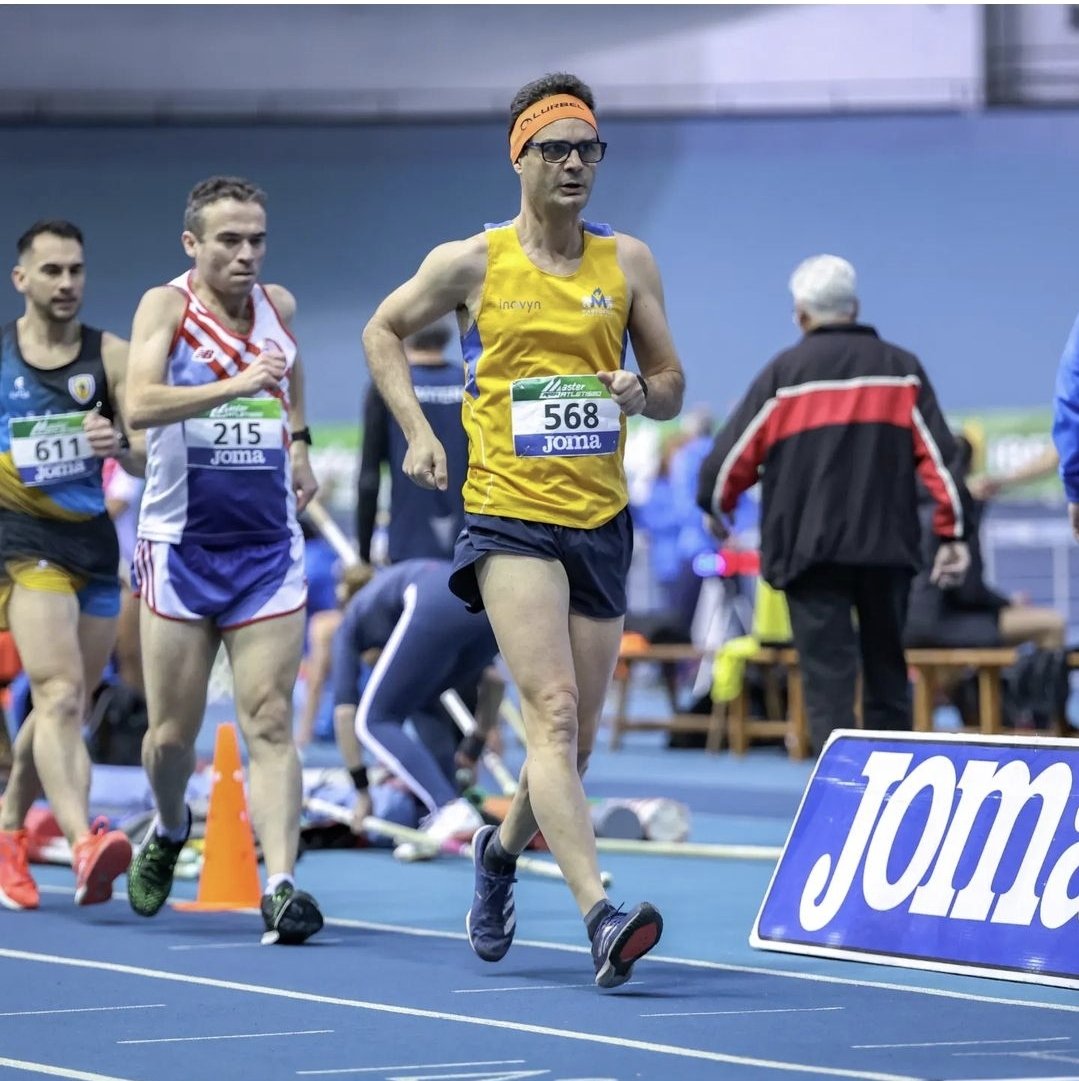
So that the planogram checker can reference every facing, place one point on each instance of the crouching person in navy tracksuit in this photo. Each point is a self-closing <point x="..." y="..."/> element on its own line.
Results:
<point x="429" y="643"/>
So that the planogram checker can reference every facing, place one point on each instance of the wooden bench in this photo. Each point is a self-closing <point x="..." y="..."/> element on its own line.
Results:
<point x="928" y="665"/>
<point x="732" y="720"/>
<point x="742" y="728"/>
<point x="735" y="722"/>
<point x="622" y="722"/>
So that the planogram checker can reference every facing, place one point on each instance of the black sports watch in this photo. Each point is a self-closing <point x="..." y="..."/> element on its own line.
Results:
<point x="644" y="385"/>
<point x="303" y="435"/>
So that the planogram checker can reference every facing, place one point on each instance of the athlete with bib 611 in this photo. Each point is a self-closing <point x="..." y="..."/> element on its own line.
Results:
<point x="545" y="303"/>
<point x="61" y="385"/>
<point x="217" y="383"/>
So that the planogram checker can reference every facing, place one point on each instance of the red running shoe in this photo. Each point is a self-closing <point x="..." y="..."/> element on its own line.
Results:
<point x="17" y="888"/>
<point x="100" y="856"/>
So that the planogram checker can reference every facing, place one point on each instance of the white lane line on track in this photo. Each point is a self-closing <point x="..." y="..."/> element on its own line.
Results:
<point x="256" y="945"/>
<point x="718" y="966"/>
<point x="536" y="987"/>
<point x="418" y="1066"/>
<point x="955" y="1043"/>
<point x="744" y="1013"/>
<point x="237" y="1036"/>
<point x="687" y="962"/>
<point x="55" y="1071"/>
<point x="83" y="1009"/>
<point x="601" y="1039"/>
<point x="1038" y="1077"/>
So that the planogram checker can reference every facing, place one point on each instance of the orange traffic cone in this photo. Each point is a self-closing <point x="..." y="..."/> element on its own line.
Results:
<point x="230" y="877"/>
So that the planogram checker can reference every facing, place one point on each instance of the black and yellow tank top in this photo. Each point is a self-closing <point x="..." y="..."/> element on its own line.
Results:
<point x="47" y="468"/>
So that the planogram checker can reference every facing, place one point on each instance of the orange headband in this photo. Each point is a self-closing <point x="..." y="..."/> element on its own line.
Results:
<point x="546" y="111"/>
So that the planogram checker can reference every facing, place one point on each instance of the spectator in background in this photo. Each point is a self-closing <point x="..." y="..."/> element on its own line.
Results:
<point x="973" y="614"/>
<point x="838" y="428"/>
<point x="426" y="643"/>
<point x="661" y="517"/>
<point x="693" y="538"/>
<point x="1066" y="424"/>
<point x="321" y="567"/>
<point x="989" y="485"/>
<point x="424" y="523"/>
<point x="672" y="520"/>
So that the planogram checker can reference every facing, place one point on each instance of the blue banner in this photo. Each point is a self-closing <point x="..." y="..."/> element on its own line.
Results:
<point x="956" y="852"/>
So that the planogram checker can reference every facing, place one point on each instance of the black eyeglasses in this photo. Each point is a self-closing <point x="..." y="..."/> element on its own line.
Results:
<point x="558" y="150"/>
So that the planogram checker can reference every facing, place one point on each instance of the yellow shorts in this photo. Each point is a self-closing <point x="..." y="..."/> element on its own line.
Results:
<point x="100" y="599"/>
<point x="42" y="576"/>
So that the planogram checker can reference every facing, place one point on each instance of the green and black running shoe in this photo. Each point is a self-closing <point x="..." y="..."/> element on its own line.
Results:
<point x="149" y="878"/>
<point x="291" y="916"/>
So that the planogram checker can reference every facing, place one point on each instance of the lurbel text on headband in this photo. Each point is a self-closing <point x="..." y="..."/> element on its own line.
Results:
<point x="544" y="112"/>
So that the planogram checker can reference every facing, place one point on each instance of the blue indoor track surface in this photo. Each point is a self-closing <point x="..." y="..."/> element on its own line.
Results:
<point x="391" y="990"/>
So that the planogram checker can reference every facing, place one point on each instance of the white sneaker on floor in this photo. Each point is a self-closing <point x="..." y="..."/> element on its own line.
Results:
<point x="457" y="819"/>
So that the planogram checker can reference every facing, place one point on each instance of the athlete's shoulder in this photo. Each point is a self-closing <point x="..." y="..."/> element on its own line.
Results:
<point x="113" y="347"/>
<point x="460" y="263"/>
<point x="114" y="354"/>
<point x="284" y="303"/>
<point x="471" y="251"/>
<point x="637" y="263"/>
<point x="631" y="248"/>
<point x="164" y="302"/>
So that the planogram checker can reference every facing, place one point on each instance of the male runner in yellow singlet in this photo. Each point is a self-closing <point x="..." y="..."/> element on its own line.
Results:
<point x="545" y="303"/>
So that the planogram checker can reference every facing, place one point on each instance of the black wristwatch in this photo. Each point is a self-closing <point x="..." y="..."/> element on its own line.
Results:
<point x="644" y="385"/>
<point x="303" y="435"/>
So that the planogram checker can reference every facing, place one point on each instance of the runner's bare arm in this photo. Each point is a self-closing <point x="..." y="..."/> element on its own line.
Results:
<point x="446" y="281"/>
<point x="151" y="401"/>
<point x="304" y="483"/>
<point x="114" y="353"/>
<point x="649" y="331"/>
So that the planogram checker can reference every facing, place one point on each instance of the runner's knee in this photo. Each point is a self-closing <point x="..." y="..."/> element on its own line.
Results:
<point x="169" y="736"/>
<point x="557" y="710"/>
<point x="59" y="700"/>
<point x="269" y="724"/>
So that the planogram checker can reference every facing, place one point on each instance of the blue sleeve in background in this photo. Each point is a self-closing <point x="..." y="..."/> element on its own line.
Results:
<point x="346" y="668"/>
<point x="1066" y="416"/>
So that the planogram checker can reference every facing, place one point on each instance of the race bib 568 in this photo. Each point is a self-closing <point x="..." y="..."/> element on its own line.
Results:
<point x="563" y="416"/>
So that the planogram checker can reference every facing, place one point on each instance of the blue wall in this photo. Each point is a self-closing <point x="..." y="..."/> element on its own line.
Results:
<point x="962" y="228"/>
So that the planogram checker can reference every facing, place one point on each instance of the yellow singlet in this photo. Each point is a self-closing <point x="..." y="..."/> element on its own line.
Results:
<point x="545" y="438"/>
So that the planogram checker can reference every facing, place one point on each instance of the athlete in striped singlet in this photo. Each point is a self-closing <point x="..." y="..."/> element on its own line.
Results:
<point x="217" y="382"/>
<point x="546" y="303"/>
<point x="60" y="387"/>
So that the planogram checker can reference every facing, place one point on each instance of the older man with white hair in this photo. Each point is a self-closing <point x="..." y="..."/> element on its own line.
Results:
<point x="838" y="429"/>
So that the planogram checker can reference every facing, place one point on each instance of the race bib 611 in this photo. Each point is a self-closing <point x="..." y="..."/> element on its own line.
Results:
<point x="48" y="450"/>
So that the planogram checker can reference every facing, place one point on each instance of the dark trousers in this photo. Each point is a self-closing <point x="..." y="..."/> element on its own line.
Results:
<point x="823" y="602"/>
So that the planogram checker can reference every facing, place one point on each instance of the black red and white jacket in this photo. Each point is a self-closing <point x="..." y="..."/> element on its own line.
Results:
<point x="837" y="429"/>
